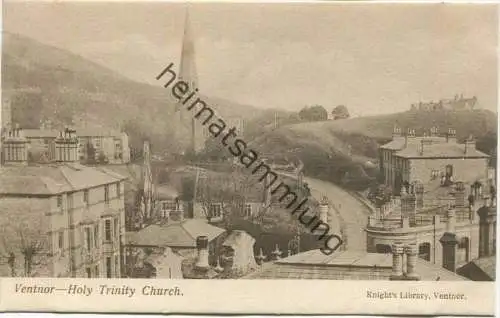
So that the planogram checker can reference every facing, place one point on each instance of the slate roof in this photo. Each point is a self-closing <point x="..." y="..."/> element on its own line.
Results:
<point x="350" y="265"/>
<point x="441" y="150"/>
<point x="40" y="133"/>
<point x="399" y="143"/>
<point x="482" y="268"/>
<point x="87" y="132"/>
<point x="50" y="179"/>
<point x="179" y="234"/>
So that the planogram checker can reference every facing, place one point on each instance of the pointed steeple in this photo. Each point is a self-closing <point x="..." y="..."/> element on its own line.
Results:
<point x="187" y="71"/>
<point x="188" y="74"/>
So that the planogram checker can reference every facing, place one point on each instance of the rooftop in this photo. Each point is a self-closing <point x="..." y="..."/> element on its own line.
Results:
<point x="50" y="179"/>
<point x="178" y="234"/>
<point x="351" y="265"/>
<point x="440" y="150"/>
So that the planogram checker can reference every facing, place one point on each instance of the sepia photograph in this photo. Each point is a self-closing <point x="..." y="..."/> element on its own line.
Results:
<point x="251" y="144"/>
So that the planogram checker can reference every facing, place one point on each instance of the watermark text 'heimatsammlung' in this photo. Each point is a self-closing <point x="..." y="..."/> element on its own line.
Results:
<point x="187" y="97"/>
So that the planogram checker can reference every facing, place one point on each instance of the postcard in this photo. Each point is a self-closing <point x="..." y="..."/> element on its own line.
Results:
<point x="248" y="158"/>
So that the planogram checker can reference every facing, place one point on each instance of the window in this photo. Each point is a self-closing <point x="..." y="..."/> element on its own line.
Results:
<point x="116" y="229"/>
<point x="107" y="230"/>
<point x="87" y="238"/>
<point x="449" y="171"/>
<point x="86" y="196"/>
<point x="96" y="235"/>
<point x="89" y="272"/>
<point x="118" y="190"/>
<point x="248" y="210"/>
<point x="96" y="271"/>
<point x="106" y="194"/>
<point x="117" y="266"/>
<point x="59" y="201"/>
<point x="70" y="201"/>
<point x="60" y="240"/>
<point x="108" y="267"/>
<point x="216" y="210"/>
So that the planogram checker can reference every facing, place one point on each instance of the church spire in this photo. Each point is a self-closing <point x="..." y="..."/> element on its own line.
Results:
<point x="187" y="70"/>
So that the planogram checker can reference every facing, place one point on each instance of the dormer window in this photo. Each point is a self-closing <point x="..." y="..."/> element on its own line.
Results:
<point x="59" y="201"/>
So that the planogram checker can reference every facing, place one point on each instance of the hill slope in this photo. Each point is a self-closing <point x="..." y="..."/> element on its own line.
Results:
<point x="76" y="90"/>
<point x="330" y="149"/>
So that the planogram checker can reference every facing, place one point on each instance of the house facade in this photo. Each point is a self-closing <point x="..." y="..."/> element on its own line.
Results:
<point x="431" y="159"/>
<point x="61" y="219"/>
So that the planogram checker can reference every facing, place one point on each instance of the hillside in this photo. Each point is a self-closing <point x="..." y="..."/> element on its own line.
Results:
<point x="77" y="90"/>
<point x="330" y="149"/>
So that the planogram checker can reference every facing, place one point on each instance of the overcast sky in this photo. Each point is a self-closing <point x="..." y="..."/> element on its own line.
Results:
<point x="371" y="58"/>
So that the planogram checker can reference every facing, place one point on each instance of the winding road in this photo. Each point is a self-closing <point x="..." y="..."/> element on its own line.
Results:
<point x="348" y="215"/>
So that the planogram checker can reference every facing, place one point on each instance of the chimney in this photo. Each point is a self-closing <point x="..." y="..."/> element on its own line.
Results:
<point x="323" y="210"/>
<point x="470" y="144"/>
<point x="411" y="251"/>
<point x="202" y="259"/>
<point x="396" y="132"/>
<point x="408" y="204"/>
<point x="397" y="261"/>
<point x="487" y="225"/>
<point x="451" y="136"/>
<point x="66" y="146"/>
<point x="449" y="242"/>
<point x="434" y="131"/>
<point x="15" y="147"/>
<point x="419" y="195"/>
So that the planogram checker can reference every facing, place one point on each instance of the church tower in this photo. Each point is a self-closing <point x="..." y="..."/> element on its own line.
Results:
<point x="147" y="178"/>
<point x="190" y="125"/>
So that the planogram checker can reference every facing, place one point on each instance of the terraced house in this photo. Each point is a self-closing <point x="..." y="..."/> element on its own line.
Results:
<point x="59" y="219"/>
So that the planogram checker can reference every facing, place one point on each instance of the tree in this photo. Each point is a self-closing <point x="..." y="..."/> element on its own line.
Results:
<point x="340" y="112"/>
<point x="313" y="113"/>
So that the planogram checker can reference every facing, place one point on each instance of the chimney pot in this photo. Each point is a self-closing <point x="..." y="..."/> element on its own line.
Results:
<point x="411" y="251"/>
<point x="202" y="247"/>
<point x="397" y="261"/>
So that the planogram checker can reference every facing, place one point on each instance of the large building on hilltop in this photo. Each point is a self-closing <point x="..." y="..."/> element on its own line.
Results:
<point x="456" y="103"/>
<point x="60" y="219"/>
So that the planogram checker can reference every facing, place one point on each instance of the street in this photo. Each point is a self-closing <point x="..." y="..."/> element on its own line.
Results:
<point x="347" y="215"/>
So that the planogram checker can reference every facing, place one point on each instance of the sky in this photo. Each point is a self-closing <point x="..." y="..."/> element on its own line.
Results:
<point x="372" y="58"/>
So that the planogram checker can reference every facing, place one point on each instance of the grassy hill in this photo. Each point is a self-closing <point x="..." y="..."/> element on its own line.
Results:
<point x="77" y="90"/>
<point x="345" y="151"/>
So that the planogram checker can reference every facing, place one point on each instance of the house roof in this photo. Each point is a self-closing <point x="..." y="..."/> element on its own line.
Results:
<point x="179" y="234"/>
<point x="85" y="132"/>
<point x="350" y="265"/>
<point x="40" y="133"/>
<point x="441" y="150"/>
<point x="50" y="179"/>
<point x="399" y="142"/>
<point x="487" y="265"/>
